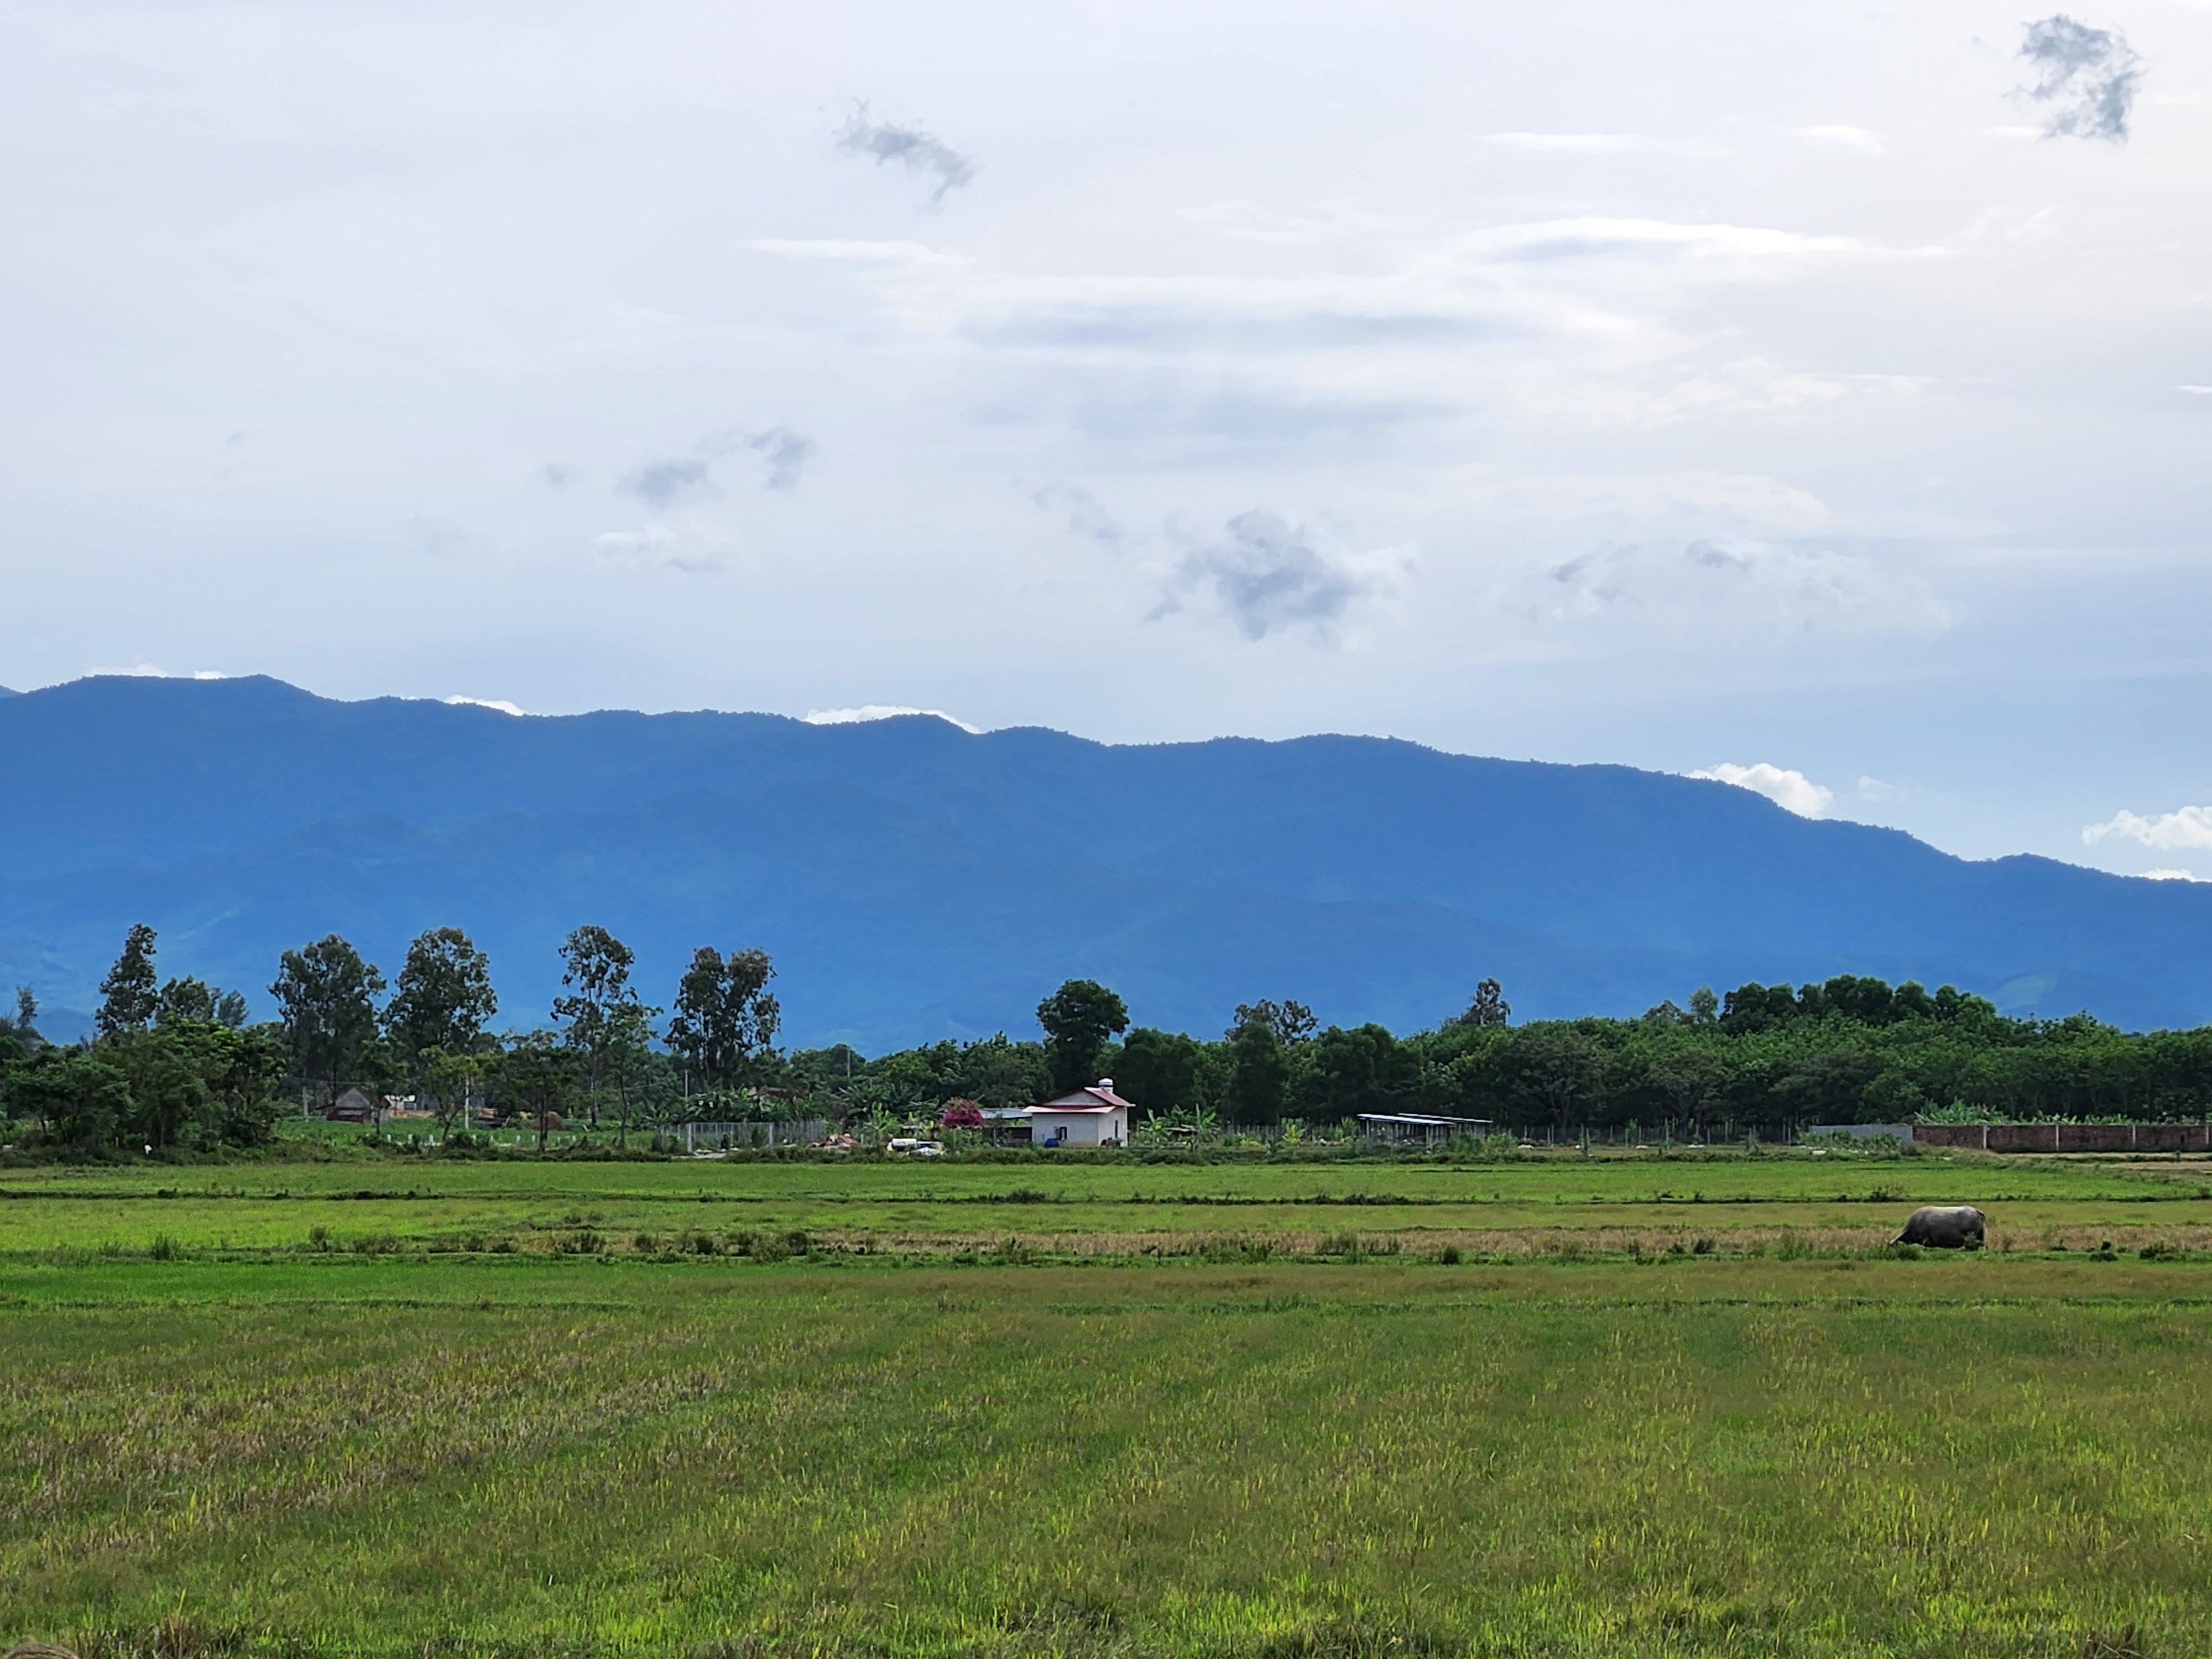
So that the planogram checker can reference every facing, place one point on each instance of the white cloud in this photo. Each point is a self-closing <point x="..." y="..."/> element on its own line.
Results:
<point x="2200" y="391"/>
<point x="1748" y="500"/>
<point x="153" y="670"/>
<point x="2172" y="875"/>
<point x="1875" y="789"/>
<point x="881" y="711"/>
<point x="853" y="252"/>
<point x="1750" y="249"/>
<point x="1252" y="222"/>
<point x="1790" y="790"/>
<point x="689" y="545"/>
<point x="499" y="704"/>
<point x="2189" y="826"/>
<point x="1856" y="139"/>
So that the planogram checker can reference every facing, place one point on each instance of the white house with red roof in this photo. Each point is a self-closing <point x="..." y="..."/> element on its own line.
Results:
<point x="1095" y="1116"/>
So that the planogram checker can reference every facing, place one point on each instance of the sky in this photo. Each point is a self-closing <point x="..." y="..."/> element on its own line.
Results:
<point x="1818" y="397"/>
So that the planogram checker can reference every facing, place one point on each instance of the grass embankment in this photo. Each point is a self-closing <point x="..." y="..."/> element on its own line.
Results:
<point x="246" y="1440"/>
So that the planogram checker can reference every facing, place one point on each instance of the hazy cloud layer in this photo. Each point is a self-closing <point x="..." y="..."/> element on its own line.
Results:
<point x="2086" y="79"/>
<point x="1728" y="370"/>
<point x="1080" y="513"/>
<point x="1760" y="586"/>
<point x="685" y="544"/>
<point x="914" y="148"/>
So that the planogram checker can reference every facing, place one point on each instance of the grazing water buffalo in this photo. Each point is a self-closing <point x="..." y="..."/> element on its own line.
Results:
<point x="1943" y="1227"/>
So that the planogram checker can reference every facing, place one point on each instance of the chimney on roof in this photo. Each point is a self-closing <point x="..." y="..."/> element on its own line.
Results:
<point x="1105" y="1082"/>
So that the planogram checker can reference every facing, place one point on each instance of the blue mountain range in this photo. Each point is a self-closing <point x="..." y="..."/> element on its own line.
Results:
<point x="914" y="880"/>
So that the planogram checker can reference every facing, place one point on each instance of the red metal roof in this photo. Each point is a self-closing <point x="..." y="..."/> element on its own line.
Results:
<point x="1096" y="1098"/>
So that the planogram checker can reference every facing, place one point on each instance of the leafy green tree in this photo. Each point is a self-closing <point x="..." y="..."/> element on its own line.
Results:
<point x="1487" y="1010"/>
<point x="1259" y="1073"/>
<point x="326" y="999"/>
<point x="198" y="1084"/>
<point x="535" y="1073"/>
<point x="1079" y="1019"/>
<point x="1158" y="1071"/>
<point x="75" y="1095"/>
<point x="128" y="997"/>
<point x="597" y="1008"/>
<point x="725" y="1017"/>
<point x="1363" y="1070"/>
<point x="242" y="1066"/>
<point x="1291" y="1022"/>
<point x="453" y="1078"/>
<point x="1554" y="1069"/>
<point x="1689" y="1074"/>
<point x="441" y="1000"/>
<point x="195" y="998"/>
<point x="996" y="1071"/>
<point x="1826" y="1083"/>
<point x="27" y="1017"/>
<point x="626" y="1058"/>
<point x="171" y="1093"/>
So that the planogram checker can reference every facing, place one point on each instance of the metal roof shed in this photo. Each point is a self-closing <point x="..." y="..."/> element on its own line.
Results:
<point x="1416" y="1128"/>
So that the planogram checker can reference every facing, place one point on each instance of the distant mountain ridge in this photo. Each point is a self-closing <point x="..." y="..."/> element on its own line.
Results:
<point x="914" y="880"/>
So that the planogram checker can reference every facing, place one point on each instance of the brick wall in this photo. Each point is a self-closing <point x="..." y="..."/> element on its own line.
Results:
<point x="2068" y="1137"/>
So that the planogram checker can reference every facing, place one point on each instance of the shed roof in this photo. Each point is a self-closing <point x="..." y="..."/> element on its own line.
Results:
<point x="1410" y="1117"/>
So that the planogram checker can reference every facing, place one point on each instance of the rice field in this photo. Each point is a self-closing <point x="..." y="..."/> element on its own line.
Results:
<point x="1101" y="1408"/>
<point x="1081" y="1208"/>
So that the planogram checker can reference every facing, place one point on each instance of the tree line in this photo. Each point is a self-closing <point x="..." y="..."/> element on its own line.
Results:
<point x="1851" y="1049"/>
<point x="175" y="1063"/>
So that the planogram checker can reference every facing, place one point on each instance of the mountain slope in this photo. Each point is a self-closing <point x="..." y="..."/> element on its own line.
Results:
<point x="913" y="880"/>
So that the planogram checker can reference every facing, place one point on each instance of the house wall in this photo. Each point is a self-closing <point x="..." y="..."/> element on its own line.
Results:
<point x="1081" y="1129"/>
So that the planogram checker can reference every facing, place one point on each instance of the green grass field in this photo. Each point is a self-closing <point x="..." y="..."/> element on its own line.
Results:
<point x="1088" y="1208"/>
<point x="1094" y="1407"/>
